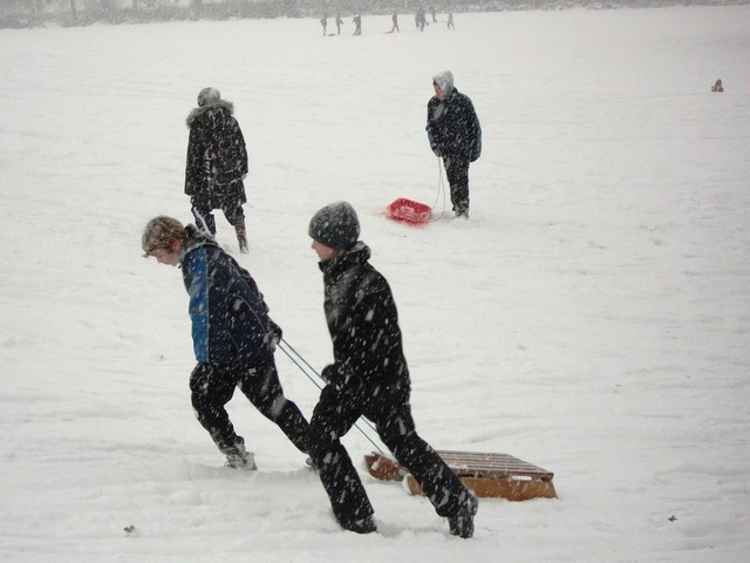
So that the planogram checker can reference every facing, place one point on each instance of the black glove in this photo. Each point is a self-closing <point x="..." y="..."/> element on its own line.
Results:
<point x="329" y="373"/>
<point x="278" y="334"/>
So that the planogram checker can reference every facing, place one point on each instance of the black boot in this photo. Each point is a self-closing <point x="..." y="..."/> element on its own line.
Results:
<point x="364" y="525"/>
<point x="462" y="522"/>
<point x="240" y="458"/>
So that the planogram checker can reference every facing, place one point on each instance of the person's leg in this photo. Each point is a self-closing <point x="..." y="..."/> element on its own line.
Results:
<point x="263" y="388"/>
<point x="333" y="416"/>
<point x="439" y="482"/>
<point x="457" y="171"/>
<point x="212" y="388"/>
<point x="201" y="209"/>
<point x="232" y="208"/>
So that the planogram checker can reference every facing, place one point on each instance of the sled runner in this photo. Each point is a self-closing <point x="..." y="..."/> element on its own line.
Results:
<point x="486" y="474"/>
<point x="409" y="211"/>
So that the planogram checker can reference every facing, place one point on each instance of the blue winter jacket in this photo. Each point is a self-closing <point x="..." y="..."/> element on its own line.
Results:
<point x="231" y="326"/>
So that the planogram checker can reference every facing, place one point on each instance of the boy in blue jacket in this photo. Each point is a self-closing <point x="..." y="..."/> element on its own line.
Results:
<point x="234" y="339"/>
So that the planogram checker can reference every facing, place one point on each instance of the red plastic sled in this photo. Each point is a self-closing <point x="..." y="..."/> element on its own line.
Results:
<point x="410" y="211"/>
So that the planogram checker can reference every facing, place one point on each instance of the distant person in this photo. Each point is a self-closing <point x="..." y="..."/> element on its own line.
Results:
<point x="433" y="13"/>
<point x="216" y="164"/>
<point x="455" y="136"/>
<point x="234" y="339"/>
<point x="718" y="86"/>
<point x="394" y="19"/>
<point x="420" y="18"/>
<point x="339" y="23"/>
<point x="324" y="24"/>
<point x="451" y="25"/>
<point x="369" y="377"/>
<point x="357" y="19"/>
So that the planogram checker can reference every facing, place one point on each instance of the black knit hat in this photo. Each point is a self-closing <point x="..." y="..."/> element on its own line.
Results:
<point x="335" y="225"/>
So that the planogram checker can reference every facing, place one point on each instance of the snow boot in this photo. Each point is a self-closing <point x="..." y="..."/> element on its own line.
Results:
<point x="241" y="236"/>
<point x="241" y="459"/>
<point x="362" y="526"/>
<point x="462" y="522"/>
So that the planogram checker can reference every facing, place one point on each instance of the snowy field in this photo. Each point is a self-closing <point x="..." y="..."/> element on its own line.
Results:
<point x="592" y="317"/>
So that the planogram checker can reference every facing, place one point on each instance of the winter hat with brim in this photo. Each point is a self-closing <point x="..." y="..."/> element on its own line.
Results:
<point x="335" y="225"/>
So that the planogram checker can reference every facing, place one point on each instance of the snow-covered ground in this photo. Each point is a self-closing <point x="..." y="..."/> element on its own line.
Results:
<point x="592" y="317"/>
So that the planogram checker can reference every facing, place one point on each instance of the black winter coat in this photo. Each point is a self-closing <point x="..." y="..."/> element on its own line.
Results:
<point x="363" y="322"/>
<point x="453" y="127"/>
<point x="216" y="151"/>
<point x="230" y="322"/>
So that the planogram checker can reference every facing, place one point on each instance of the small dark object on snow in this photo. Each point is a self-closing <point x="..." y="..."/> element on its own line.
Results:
<point x="672" y="518"/>
<point x="129" y="529"/>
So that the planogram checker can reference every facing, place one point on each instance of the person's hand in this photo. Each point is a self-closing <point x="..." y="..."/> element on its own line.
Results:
<point x="329" y="373"/>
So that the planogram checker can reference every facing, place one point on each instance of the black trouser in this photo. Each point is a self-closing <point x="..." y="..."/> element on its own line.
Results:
<point x="336" y="413"/>
<point x="457" y="171"/>
<point x="213" y="387"/>
<point x="228" y="197"/>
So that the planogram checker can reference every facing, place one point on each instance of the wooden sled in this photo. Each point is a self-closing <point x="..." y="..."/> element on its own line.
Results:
<point x="486" y="474"/>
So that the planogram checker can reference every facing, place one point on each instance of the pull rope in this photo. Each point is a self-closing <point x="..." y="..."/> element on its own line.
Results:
<point x="311" y="374"/>
<point x="440" y="191"/>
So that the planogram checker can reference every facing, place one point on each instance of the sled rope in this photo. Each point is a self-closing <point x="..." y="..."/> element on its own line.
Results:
<point x="203" y="226"/>
<point x="440" y="190"/>
<point x="303" y="365"/>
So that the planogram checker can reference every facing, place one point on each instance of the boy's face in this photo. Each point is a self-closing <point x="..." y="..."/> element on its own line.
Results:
<point x="324" y="252"/>
<point x="168" y="256"/>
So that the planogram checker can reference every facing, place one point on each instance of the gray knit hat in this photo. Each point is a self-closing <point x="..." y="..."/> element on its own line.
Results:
<point x="335" y="225"/>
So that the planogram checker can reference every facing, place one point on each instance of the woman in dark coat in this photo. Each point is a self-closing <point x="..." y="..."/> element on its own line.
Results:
<point x="216" y="164"/>
<point x="369" y="376"/>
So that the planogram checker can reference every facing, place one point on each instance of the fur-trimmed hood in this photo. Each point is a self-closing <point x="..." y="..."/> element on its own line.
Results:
<point x="197" y="112"/>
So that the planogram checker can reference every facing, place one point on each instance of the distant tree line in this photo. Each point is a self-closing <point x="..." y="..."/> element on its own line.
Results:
<point x="28" y="13"/>
<point x="25" y="13"/>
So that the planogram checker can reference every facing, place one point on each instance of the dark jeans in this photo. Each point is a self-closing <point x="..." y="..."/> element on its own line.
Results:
<point x="457" y="171"/>
<point x="212" y="388"/>
<point x="229" y="198"/>
<point x="336" y="413"/>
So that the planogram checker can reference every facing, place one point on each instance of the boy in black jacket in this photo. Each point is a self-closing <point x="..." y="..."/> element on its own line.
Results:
<point x="369" y="377"/>
<point x="233" y="337"/>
